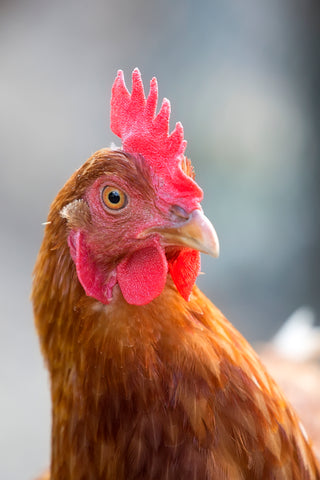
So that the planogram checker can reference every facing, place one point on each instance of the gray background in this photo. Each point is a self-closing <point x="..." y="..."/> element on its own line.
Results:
<point x="243" y="77"/>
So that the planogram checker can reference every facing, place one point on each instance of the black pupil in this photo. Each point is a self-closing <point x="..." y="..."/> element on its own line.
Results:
<point x="114" y="197"/>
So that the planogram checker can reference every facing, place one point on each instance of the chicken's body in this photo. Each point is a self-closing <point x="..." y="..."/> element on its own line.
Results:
<point x="167" y="389"/>
<point x="173" y="396"/>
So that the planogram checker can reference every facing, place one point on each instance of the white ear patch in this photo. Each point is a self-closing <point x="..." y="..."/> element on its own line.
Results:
<point x="76" y="213"/>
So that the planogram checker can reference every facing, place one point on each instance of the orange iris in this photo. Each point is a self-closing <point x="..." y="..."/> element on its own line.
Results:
<point x="114" y="198"/>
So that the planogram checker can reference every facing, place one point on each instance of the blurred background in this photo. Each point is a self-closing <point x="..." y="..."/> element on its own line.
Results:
<point x="243" y="77"/>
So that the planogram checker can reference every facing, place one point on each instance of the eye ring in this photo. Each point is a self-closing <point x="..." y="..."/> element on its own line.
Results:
<point x="113" y="198"/>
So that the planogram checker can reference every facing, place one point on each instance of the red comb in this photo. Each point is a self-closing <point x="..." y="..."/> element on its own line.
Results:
<point x="133" y="119"/>
<point x="143" y="132"/>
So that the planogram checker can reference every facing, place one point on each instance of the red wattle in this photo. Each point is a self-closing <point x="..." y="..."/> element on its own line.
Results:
<point x="94" y="281"/>
<point x="184" y="270"/>
<point x="142" y="275"/>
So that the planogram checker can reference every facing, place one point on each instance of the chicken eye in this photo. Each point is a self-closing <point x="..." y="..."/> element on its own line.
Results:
<point x="114" y="198"/>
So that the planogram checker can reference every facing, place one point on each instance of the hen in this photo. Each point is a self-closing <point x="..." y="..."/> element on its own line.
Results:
<point x="148" y="378"/>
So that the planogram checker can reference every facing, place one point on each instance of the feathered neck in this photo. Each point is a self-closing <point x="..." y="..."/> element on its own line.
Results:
<point x="107" y="363"/>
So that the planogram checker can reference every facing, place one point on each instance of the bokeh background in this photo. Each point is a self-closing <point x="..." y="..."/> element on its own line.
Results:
<point x="243" y="77"/>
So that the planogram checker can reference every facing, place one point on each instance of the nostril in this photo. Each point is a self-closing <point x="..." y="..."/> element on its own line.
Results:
<point x="179" y="212"/>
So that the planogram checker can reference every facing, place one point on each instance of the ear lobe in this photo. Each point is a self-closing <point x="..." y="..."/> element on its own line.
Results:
<point x="95" y="282"/>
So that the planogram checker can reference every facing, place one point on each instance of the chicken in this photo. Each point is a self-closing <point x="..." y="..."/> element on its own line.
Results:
<point x="148" y="378"/>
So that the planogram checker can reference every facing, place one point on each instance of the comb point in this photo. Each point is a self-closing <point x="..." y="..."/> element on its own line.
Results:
<point x="137" y="94"/>
<point x="152" y="99"/>
<point x="162" y="119"/>
<point x="136" y="71"/>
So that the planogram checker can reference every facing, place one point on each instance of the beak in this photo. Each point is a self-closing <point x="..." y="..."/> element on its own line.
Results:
<point x="195" y="232"/>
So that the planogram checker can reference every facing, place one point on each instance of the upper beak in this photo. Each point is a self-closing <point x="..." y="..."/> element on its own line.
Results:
<point x="195" y="232"/>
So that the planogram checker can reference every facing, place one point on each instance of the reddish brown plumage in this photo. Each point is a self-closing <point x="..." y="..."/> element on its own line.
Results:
<point x="166" y="390"/>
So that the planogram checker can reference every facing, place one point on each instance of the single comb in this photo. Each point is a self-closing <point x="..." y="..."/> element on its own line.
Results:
<point x="134" y="120"/>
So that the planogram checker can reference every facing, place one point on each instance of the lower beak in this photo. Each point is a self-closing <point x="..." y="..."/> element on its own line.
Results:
<point x="195" y="232"/>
